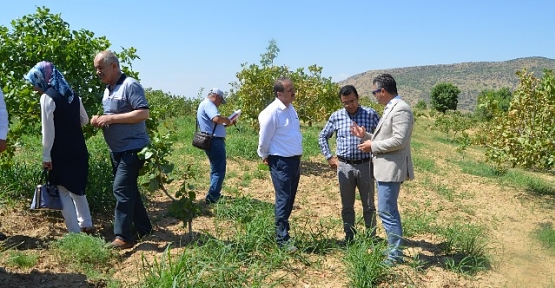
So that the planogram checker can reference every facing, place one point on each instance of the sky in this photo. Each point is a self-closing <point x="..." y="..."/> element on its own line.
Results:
<point x="191" y="46"/>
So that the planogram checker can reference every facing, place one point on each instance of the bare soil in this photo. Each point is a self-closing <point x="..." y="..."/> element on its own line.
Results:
<point x="510" y="216"/>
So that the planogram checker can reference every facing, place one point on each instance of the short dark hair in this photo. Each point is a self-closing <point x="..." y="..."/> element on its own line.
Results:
<point x="347" y="90"/>
<point x="386" y="82"/>
<point x="278" y="85"/>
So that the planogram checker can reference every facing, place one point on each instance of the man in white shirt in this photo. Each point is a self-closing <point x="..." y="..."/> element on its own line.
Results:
<point x="3" y="132"/>
<point x="280" y="147"/>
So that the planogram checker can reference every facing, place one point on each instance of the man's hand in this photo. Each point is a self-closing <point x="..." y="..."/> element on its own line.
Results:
<point x="366" y="146"/>
<point x="358" y="131"/>
<point x="265" y="161"/>
<point x="333" y="162"/>
<point x="101" y="120"/>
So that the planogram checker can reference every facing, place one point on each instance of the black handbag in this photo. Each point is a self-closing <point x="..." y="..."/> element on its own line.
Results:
<point x="202" y="140"/>
<point x="47" y="196"/>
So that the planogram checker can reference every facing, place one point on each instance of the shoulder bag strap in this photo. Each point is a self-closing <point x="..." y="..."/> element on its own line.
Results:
<point x="198" y="127"/>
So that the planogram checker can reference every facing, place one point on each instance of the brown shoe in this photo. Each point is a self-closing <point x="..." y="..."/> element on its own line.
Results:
<point x="88" y="230"/>
<point x="120" y="244"/>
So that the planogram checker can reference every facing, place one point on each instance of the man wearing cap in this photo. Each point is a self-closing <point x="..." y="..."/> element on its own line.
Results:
<point x="210" y="121"/>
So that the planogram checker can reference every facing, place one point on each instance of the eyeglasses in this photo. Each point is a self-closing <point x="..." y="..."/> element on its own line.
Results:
<point x="346" y="103"/>
<point x="376" y="91"/>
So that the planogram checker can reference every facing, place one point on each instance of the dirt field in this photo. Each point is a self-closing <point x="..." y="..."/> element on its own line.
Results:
<point x="510" y="216"/>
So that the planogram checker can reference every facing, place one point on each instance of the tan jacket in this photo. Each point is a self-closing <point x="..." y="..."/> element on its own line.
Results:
<point x="391" y="154"/>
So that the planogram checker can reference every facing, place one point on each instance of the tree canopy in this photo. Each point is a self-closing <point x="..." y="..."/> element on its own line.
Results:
<point x="43" y="36"/>
<point x="316" y="96"/>
<point x="444" y="96"/>
<point x="525" y="135"/>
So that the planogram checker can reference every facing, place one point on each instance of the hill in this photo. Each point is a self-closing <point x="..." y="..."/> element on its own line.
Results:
<point x="415" y="83"/>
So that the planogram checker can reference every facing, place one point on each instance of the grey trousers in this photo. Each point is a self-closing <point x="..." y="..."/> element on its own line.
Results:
<point x="351" y="177"/>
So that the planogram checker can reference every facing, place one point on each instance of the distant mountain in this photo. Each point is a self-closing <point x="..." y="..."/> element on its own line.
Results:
<point x="415" y="83"/>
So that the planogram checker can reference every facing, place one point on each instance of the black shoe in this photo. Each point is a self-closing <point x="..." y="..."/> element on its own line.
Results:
<point x="349" y="239"/>
<point x="288" y="246"/>
<point x="3" y="236"/>
<point x="210" y="200"/>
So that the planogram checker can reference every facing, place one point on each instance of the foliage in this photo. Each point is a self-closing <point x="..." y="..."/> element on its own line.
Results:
<point x="525" y="135"/>
<point x="316" y="96"/>
<point x="165" y="105"/>
<point x="459" y="124"/>
<point x="444" y="96"/>
<point x="20" y="259"/>
<point x="421" y="104"/>
<point x="467" y="245"/>
<point x="45" y="36"/>
<point x="365" y="267"/>
<point x="156" y="173"/>
<point x="85" y="254"/>
<point x="186" y="208"/>
<point x="492" y="102"/>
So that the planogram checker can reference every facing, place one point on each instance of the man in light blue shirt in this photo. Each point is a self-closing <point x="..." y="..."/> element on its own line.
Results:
<point x="211" y="122"/>
<point x="280" y="147"/>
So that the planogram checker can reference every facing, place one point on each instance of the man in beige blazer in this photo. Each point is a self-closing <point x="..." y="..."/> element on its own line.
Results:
<point x="391" y="156"/>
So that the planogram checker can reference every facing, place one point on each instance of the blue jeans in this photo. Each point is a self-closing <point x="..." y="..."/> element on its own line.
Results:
<point x="129" y="205"/>
<point x="217" y="156"/>
<point x="285" y="172"/>
<point x="388" y="193"/>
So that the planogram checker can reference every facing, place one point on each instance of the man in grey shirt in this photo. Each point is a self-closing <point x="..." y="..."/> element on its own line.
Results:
<point x="123" y="124"/>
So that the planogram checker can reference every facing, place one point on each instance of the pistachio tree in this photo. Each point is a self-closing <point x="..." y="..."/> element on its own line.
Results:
<point x="524" y="136"/>
<point x="316" y="96"/>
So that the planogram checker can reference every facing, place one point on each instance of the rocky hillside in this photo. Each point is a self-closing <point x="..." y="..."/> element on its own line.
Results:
<point x="415" y="83"/>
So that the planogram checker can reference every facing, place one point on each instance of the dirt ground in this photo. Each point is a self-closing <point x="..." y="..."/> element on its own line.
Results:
<point x="510" y="216"/>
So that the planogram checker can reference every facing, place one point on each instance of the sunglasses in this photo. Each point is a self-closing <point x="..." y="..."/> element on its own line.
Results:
<point x="376" y="91"/>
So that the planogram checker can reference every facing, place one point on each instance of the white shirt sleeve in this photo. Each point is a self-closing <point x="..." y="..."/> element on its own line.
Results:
<point x="3" y="118"/>
<point x="82" y="113"/>
<point x="267" y="130"/>
<point x="47" y="108"/>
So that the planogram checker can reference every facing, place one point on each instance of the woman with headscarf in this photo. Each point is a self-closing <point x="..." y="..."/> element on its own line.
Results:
<point x="65" y="153"/>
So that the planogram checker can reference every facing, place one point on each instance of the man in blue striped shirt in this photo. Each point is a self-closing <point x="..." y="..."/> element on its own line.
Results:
<point x="353" y="166"/>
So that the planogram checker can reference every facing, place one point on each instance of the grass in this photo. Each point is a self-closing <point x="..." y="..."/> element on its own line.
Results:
<point x="465" y="248"/>
<point x="545" y="234"/>
<point x="241" y="251"/>
<point x="516" y="178"/>
<point x="20" y="259"/>
<point x="84" y="253"/>
<point x="363" y="260"/>
<point x="418" y="221"/>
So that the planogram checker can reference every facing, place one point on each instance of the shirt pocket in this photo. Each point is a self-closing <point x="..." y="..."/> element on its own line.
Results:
<point x="115" y="105"/>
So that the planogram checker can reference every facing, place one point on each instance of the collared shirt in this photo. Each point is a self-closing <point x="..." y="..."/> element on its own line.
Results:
<point x="390" y="104"/>
<point x="206" y="111"/>
<point x="280" y="131"/>
<point x="127" y="95"/>
<point x="347" y="144"/>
